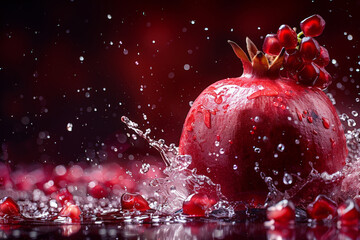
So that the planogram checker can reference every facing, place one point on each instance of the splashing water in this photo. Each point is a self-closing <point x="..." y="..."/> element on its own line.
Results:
<point x="170" y="192"/>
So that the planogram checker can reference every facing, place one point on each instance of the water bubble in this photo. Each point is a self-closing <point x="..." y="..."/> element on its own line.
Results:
<point x="144" y="168"/>
<point x="191" y="103"/>
<point x="257" y="150"/>
<point x="208" y="170"/>
<point x="81" y="58"/>
<point x="222" y="151"/>
<point x="217" y="143"/>
<point x="355" y="113"/>
<point x="350" y="37"/>
<point x="281" y="147"/>
<point x="125" y="51"/>
<point x="287" y="179"/>
<point x="275" y="172"/>
<point x="134" y="136"/>
<point x="69" y="127"/>
<point x="351" y="122"/>
<point x="109" y="16"/>
<point x="257" y="119"/>
<point x="186" y="67"/>
<point x="297" y="141"/>
<point x="235" y="167"/>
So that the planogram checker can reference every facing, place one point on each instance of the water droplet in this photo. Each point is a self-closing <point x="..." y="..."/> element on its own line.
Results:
<point x="217" y="143"/>
<point x="326" y="123"/>
<point x="144" y="168"/>
<point x="69" y="127"/>
<point x="287" y="179"/>
<point x="257" y="119"/>
<point x="297" y="141"/>
<point x="81" y="58"/>
<point x="281" y="147"/>
<point x="355" y="113"/>
<point x="235" y="167"/>
<point x="109" y="16"/>
<point x="222" y="151"/>
<point x="208" y="170"/>
<point x="186" y="67"/>
<point x="351" y="122"/>
<point x="191" y="103"/>
<point x="275" y="172"/>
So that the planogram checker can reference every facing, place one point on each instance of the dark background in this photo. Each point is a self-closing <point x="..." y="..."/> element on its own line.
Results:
<point x="44" y="85"/>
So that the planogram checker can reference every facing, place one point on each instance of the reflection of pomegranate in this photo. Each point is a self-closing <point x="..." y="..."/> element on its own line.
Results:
<point x="260" y="125"/>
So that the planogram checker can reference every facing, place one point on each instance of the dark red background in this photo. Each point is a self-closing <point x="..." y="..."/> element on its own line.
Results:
<point x="40" y="70"/>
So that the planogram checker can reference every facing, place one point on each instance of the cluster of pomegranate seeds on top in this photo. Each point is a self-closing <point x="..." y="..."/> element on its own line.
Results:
<point x="305" y="60"/>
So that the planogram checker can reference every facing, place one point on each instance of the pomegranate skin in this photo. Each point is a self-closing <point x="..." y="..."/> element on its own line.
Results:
<point x="238" y="124"/>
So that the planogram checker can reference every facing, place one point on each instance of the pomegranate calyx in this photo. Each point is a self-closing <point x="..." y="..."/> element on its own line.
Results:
<point x="242" y="56"/>
<point x="251" y="48"/>
<point x="260" y="64"/>
<point x="277" y="63"/>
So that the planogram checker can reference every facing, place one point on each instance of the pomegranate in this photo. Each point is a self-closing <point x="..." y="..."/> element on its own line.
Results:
<point x="282" y="212"/>
<point x="273" y="121"/>
<point x="322" y="208"/>
<point x="196" y="205"/>
<point x="134" y="201"/>
<point x="70" y="210"/>
<point x="8" y="207"/>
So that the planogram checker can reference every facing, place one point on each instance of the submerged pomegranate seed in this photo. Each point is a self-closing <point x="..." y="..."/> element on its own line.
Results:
<point x="8" y="207"/>
<point x="287" y="37"/>
<point x="197" y="204"/>
<point x="64" y="196"/>
<point x="309" y="49"/>
<point x="308" y="74"/>
<point x="323" y="59"/>
<point x="323" y="207"/>
<point x="313" y="26"/>
<point x="282" y="212"/>
<point x="70" y="210"/>
<point x="348" y="213"/>
<point x="134" y="202"/>
<point x="271" y="45"/>
<point x="324" y="79"/>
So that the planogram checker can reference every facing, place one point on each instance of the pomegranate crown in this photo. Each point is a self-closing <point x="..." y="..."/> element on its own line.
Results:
<point x="289" y="55"/>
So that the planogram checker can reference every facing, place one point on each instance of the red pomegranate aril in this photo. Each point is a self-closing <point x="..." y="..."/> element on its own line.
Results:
<point x="134" y="202"/>
<point x="64" y="196"/>
<point x="293" y="60"/>
<point x="323" y="59"/>
<point x="282" y="212"/>
<point x="348" y="213"/>
<point x="324" y="79"/>
<point x="322" y="208"/>
<point x="197" y="204"/>
<point x="70" y="210"/>
<point x="287" y="37"/>
<point x="308" y="74"/>
<point x="97" y="190"/>
<point x="271" y="45"/>
<point x="8" y="207"/>
<point x="313" y="26"/>
<point x="309" y="49"/>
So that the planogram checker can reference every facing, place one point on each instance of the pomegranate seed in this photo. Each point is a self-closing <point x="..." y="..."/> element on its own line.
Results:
<point x="287" y="37"/>
<point x="324" y="79"/>
<point x="323" y="207"/>
<point x="312" y="26"/>
<point x="97" y="190"/>
<point x="134" y="202"/>
<point x="309" y="49"/>
<point x="8" y="207"/>
<point x="70" y="210"/>
<point x="348" y="213"/>
<point x="64" y="196"/>
<point x="197" y="204"/>
<point x="308" y="74"/>
<point x="282" y="212"/>
<point x="293" y="60"/>
<point x="323" y="59"/>
<point x="271" y="45"/>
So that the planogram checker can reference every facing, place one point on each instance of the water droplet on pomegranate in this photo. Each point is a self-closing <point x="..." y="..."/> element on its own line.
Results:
<point x="326" y="123"/>
<point x="222" y="151"/>
<point x="297" y="141"/>
<point x="287" y="179"/>
<point x="217" y="143"/>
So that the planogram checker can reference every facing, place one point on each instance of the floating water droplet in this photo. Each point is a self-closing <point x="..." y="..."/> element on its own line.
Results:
<point x="208" y="170"/>
<point x="281" y="147"/>
<point x="275" y="172"/>
<point x="217" y="143"/>
<point x="186" y="67"/>
<point x="351" y="122"/>
<point x="257" y="150"/>
<point x="109" y="16"/>
<point x="355" y="113"/>
<point x="297" y="141"/>
<point x="235" y="167"/>
<point x="257" y="119"/>
<point x="144" y="168"/>
<point x="287" y="179"/>
<point x="191" y="103"/>
<point x="81" y="58"/>
<point x="69" y="127"/>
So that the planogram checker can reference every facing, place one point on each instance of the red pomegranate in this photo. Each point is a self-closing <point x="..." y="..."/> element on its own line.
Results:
<point x="272" y="121"/>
